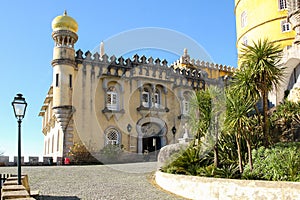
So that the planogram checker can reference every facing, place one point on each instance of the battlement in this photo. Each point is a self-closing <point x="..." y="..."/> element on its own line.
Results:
<point x="113" y="60"/>
<point x="202" y="64"/>
<point x="121" y="65"/>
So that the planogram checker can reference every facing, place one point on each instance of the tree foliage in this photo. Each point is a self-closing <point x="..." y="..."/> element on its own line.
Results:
<point x="286" y="121"/>
<point x="261" y="62"/>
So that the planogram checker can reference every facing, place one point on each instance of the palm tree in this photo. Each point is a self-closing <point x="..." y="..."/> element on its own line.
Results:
<point x="243" y="83"/>
<point x="200" y="113"/>
<point x="206" y="116"/>
<point x="262" y="59"/>
<point x="217" y="117"/>
<point x="238" y="122"/>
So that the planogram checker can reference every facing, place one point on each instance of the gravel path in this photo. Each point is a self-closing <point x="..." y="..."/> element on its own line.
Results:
<point x="124" y="181"/>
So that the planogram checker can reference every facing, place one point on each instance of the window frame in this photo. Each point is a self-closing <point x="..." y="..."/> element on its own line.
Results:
<point x="114" y="140"/>
<point x="57" y="80"/>
<point x="112" y="99"/>
<point x="186" y="103"/>
<point x="243" y="19"/>
<point x="285" y="26"/>
<point x="157" y="98"/>
<point x="70" y="81"/>
<point x="186" y="107"/>
<point x="245" y="40"/>
<point x="282" y="4"/>
<point x="146" y="93"/>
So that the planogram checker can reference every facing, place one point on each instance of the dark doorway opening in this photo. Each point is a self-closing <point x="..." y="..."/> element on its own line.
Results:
<point x="151" y="143"/>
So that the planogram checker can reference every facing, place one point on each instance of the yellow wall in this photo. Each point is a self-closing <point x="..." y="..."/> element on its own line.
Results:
<point x="263" y="21"/>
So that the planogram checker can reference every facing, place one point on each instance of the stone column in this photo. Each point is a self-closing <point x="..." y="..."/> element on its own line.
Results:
<point x="140" y="144"/>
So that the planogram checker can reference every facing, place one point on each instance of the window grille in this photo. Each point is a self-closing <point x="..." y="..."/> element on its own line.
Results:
<point x="113" y="137"/>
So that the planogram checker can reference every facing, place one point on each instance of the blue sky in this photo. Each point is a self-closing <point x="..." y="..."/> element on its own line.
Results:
<point x="27" y="46"/>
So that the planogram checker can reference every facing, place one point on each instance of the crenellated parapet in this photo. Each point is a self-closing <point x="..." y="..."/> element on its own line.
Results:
<point x="150" y="68"/>
<point x="198" y="64"/>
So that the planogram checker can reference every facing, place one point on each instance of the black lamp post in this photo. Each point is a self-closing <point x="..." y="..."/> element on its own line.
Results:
<point x="19" y="104"/>
<point x="174" y="132"/>
<point x="129" y="128"/>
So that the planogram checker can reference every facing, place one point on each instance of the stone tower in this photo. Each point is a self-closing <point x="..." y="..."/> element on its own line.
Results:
<point x="257" y="19"/>
<point x="64" y="35"/>
<point x="294" y="17"/>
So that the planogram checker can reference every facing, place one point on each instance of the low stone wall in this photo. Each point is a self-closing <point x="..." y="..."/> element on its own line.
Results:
<point x="193" y="187"/>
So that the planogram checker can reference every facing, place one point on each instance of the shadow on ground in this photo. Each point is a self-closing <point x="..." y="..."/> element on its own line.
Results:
<point x="43" y="197"/>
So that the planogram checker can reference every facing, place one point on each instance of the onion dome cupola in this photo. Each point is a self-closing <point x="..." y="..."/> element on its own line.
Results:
<point x="64" y="30"/>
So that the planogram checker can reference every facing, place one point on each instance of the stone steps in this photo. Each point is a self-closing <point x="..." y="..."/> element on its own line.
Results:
<point x="11" y="189"/>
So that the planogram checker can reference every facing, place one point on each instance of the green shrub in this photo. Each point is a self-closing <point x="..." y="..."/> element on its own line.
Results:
<point x="208" y="171"/>
<point x="279" y="163"/>
<point x="228" y="171"/>
<point x="188" y="161"/>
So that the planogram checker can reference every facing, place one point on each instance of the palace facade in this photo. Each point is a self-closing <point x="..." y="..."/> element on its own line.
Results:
<point x="134" y="103"/>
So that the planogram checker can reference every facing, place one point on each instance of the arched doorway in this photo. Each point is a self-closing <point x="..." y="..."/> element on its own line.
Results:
<point x="151" y="134"/>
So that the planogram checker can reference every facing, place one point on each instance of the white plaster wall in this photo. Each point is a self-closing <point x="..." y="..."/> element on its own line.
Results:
<point x="193" y="187"/>
<point x="53" y="153"/>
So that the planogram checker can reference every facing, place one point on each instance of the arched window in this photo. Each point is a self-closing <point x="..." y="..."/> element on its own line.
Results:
<point x="186" y="103"/>
<point x="146" y="98"/>
<point x="243" y="19"/>
<point x="112" y="136"/>
<point x="282" y="4"/>
<point x="245" y="40"/>
<point x="112" y="99"/>
<point x="157" y="98"/>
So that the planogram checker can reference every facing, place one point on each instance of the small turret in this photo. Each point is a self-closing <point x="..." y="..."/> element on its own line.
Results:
<point x="185" y="58"/>
<point x="64" y="35"/>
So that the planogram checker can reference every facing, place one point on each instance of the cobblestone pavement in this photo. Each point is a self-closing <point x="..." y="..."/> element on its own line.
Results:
<point x="124" y="181"/>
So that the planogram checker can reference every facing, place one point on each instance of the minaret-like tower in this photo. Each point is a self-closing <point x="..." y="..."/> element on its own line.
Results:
<point x="64" y="35"/>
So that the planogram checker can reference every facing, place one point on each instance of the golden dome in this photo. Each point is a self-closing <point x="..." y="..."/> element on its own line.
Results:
<point x="64" y="22"/>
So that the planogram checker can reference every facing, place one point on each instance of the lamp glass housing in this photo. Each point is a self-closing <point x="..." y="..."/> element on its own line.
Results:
<point x="19" y="105"/>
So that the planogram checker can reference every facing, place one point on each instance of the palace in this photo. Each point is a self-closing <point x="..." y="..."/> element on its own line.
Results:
<point x="134" y="103"/>
<point x="263" y="19"/>
<point x="277" y="20"/>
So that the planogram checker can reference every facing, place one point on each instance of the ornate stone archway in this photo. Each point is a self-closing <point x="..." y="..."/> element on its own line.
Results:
<point x="149" y="128"/>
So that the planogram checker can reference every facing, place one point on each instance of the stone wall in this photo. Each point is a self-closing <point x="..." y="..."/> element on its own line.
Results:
<point x="32" y="160"/>
<point x="217" y="188"/>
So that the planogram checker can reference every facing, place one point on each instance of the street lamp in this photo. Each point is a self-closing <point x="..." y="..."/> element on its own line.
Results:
<point x="19" y="104"/>
<point x="174" y="132"/>
<point x="129" y="128"/>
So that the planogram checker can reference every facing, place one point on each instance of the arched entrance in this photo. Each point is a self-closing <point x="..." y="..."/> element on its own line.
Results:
<point x="151" y="134"/>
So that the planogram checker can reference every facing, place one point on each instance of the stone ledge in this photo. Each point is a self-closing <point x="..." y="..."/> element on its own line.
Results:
<point x="15" y="194"/>
<point x="7" y="188"/>
<point x="194" y="187"/>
